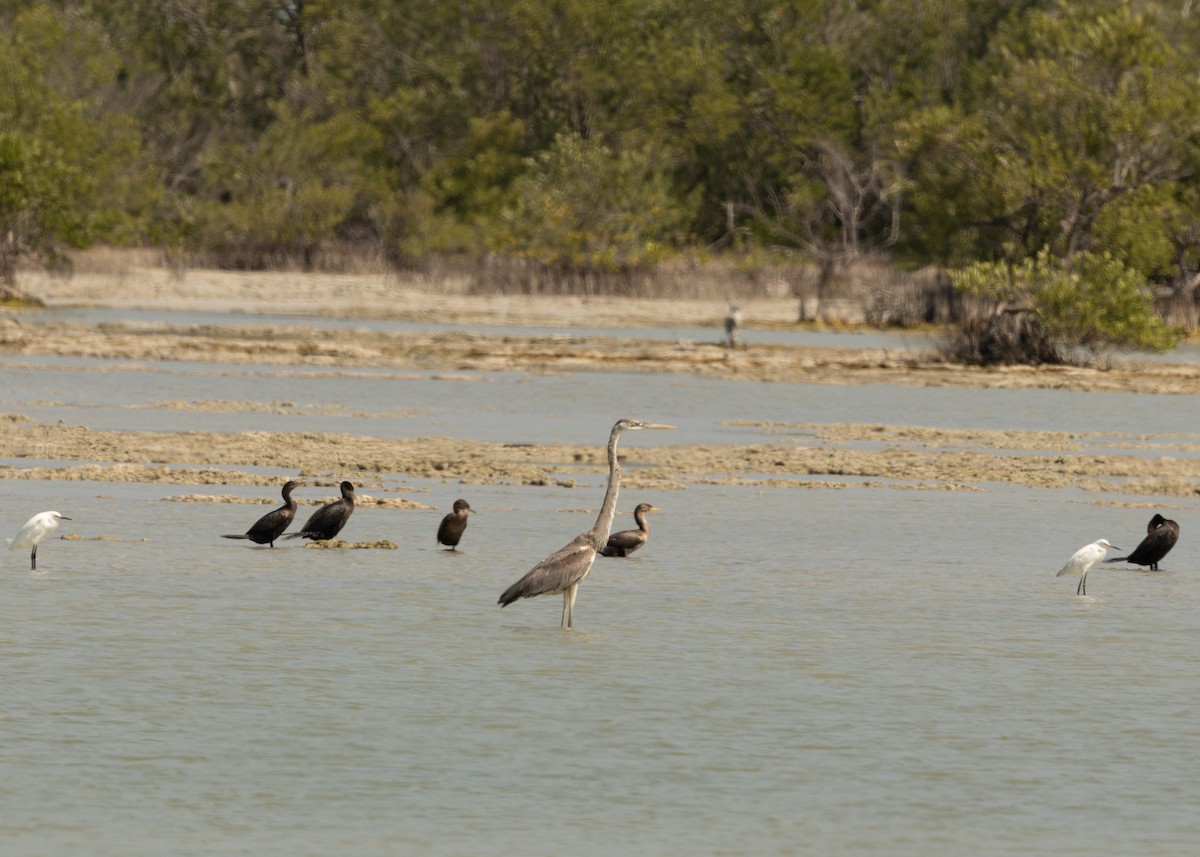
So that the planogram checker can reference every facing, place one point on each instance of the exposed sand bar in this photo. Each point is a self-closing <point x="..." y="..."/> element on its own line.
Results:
<point x="814" y="457"/>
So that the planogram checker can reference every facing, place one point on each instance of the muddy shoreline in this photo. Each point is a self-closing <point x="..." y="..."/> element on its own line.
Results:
<point x="804" y="456"/>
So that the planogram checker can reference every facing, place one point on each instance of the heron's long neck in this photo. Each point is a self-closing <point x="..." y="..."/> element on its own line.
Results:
<point x="608" y="511"/>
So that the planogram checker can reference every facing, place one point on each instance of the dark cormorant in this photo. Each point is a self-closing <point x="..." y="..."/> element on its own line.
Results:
<point x="271" y="525"/>
<point x="450" y="531"/>
<point x="327" y="522"/>
<point x="627" y="541"/>
<point x="565" y="568"/>
<point x="1161" y="535"/>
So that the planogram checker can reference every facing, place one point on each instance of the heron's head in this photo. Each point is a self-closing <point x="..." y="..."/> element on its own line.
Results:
<point x="1105" y="543"/>
<point x="55" y="517"/>
<point x="463" y="506"/>
<point x="633" y="425"/>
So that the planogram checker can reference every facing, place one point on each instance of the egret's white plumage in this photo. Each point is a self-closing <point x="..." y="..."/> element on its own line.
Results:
<point x="1082" y="560"/>
<point x="34" y="532"/>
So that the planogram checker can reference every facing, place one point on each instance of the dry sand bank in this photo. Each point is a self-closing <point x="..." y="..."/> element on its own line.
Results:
<point x="926" y="458"/>
<point x="347" y="349"/>
<point x="913" y="458"/>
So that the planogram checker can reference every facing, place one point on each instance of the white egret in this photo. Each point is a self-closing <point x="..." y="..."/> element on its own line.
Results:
<point x="34" y="532"/>
<point x="565" y="568"/>
<point x="1082" y="560"/>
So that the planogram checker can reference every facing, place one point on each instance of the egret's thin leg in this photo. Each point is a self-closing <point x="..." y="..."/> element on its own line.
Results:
<point x="33" y="558"/>
<point x="1082" y="585"/>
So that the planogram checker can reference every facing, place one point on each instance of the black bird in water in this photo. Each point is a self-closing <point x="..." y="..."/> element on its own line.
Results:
<point x="565" y="568"/>
<point x="271" y="525"/>
<point x="450" y="531"/>
<point x="627" y="541"/>
<point x="1161" y="535"/>
<point x="327" y="522"/>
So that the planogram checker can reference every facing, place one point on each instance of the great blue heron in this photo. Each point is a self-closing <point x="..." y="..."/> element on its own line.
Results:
<point x="451" y="530"/>
<point x="733" y="325"/>
<point x="1161" y="535"/>
<point x="34" y="532"/>
<point x="271" y="525"/>
<point x="627" y="541"/>
<point x="565" y="568"/>
<point x="327" y="522"/>
<point x="1082" y="560"/>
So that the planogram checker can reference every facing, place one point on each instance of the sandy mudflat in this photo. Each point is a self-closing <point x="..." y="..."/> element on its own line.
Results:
<point x="912" y="459"/>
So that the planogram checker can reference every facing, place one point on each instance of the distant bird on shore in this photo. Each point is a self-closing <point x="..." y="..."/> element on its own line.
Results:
<point x="733" y="325"/>
<point x="34" y="533"/>
<point x="1082" y="561"/>
<point x="450" y="531"/>
<point x="327" y="522"/>
<point x="627" y="541"/>
<point x="1161" y="535"/>
<point x="562" y="571"/>
<point x="271" y="525"/>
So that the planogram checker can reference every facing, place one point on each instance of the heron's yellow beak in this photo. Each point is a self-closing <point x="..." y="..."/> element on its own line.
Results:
<point x="657" y="426"/>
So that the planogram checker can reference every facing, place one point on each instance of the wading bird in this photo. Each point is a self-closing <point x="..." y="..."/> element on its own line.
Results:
<point x="34" y="532"/>
<point x="733" y="325"/>
<point x="271" y="525"/>
<point x="565" y="568"/>
<point x="1082" y="560"/>
<point x="450" y="531"/>
<point x="327" y="522"/>
<point x="627" y="541"/>
<point x="1161" y="535"/>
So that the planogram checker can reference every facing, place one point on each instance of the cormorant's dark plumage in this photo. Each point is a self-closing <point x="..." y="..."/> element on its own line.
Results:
<point x="450" y="531"/>
<point x="327" y="522"/>
<point x="271" y="525"/>
<point x="1161" y="535"/>
<point x="627" y="541"/>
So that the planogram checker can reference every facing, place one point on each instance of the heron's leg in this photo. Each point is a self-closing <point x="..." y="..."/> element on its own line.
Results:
<point x="563" y="623"/>
<point x="571" y="608"/>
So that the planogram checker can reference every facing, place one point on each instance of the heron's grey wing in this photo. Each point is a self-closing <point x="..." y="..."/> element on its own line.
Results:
<point x="557" y="572"/>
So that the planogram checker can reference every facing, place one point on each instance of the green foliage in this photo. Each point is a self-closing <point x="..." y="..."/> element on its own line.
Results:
<point x="1095" y="302"/>
<point x="605" y="137"/>
<point x="1077" y="106"/>
<point x="581" y="206"/>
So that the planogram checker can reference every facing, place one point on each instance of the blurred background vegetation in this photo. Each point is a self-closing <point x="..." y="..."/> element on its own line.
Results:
<point x="560" y="145"/>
